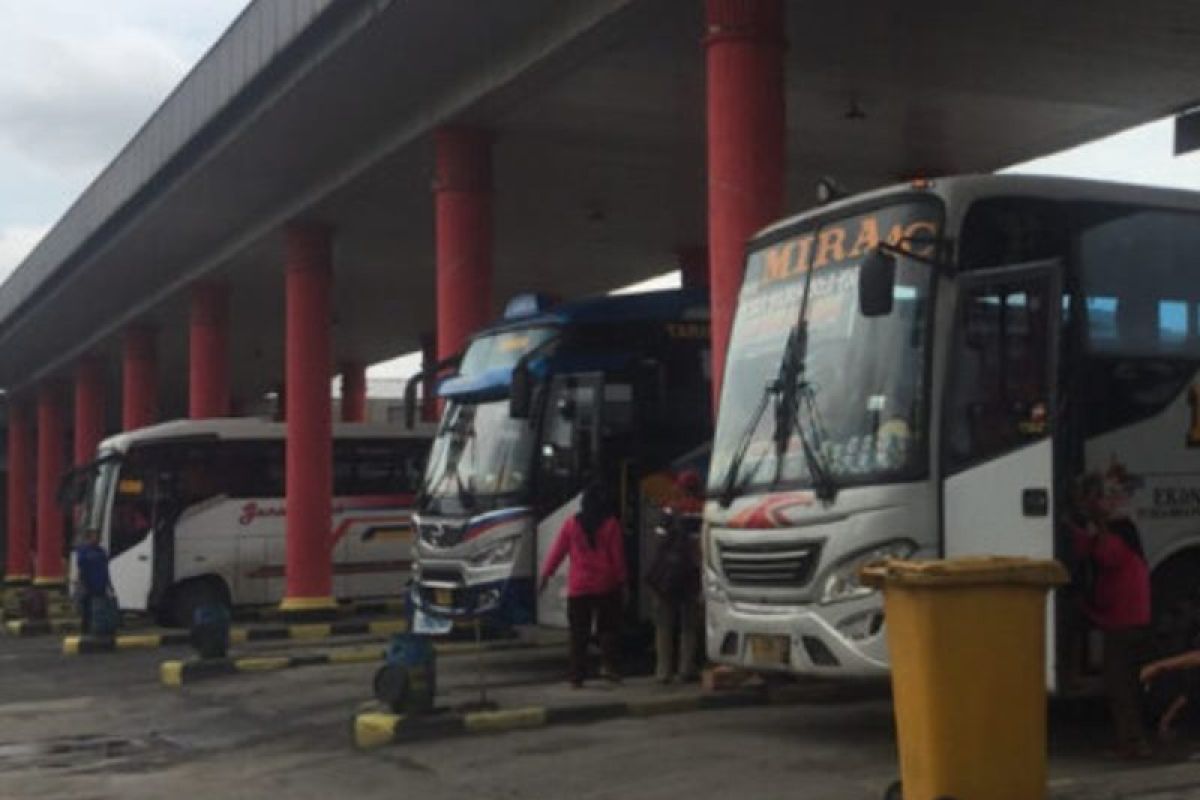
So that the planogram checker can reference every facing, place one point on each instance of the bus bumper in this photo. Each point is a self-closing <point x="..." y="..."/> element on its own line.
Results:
<point x="846" y="640"/>
<point x="507" y="601"/>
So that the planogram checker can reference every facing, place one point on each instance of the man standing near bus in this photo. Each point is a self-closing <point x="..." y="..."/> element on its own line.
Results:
<point x="93" y="582"/>
<point x="674" y="577"/>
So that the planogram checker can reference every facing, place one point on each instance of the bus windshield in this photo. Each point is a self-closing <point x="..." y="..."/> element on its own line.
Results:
<point x="866" y="376"/>
<point x="503" y="349"/>
<point x="95" y="500"/>
<point x="481" y="457"/>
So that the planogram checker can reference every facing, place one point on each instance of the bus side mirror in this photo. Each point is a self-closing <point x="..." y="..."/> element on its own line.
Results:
<point x="876" y="284"/>
<point x="520" y="396"/>
<point x="410" y="400"/>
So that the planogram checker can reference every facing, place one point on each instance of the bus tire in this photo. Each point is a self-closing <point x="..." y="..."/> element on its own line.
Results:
<point x="191" y="595"/>
<point x="1175" y="593"/>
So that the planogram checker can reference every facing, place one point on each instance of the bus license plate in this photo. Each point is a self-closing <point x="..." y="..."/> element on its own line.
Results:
<point x="443" y="597"/>
<point x="769" y="650"/>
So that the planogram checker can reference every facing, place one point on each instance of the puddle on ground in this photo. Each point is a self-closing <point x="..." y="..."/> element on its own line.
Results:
<point x="84" y="753"/>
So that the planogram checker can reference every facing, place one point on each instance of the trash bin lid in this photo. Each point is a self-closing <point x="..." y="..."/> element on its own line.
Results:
<point x="965" y="571"/>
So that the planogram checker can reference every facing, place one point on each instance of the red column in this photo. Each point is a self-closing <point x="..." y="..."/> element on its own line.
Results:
<point x="463" y="205"/>
<point x="208" y="352"/>
<point x="746" y="158"/>
<point x="51" y="455"/>
<point x="309" y="569"/>
<point x="89" y="408"/>
<point x="18" y="569"/>
<point x="354" y="392"/>
<point x="139" y="379"/>
<point x="693" y="267"/>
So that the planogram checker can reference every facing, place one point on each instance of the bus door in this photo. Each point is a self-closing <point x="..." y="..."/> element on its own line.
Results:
<point x="998" y="449"/>
<point x="566" y="461"/>
<point x="131" y="546"/>
<point x="167" y="506"/>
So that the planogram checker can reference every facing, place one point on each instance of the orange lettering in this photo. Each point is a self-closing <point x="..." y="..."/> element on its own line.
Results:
<point x="868" y="237"/>
<point x="833" y="243"/>
<point x="779" y="259"/>
<point x="912" y="232"/>
<point x="803" y="262"/>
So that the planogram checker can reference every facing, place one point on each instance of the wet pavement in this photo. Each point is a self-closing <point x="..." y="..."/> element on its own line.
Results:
<point x="100" y="727"/>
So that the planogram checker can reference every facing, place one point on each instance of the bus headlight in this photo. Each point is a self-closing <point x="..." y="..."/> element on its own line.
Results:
<point x="842" y="583"/>
<point x="500" y="553"/>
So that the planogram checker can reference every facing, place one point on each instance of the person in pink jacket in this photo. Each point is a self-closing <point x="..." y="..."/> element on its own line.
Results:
<point x="596" y="579"/>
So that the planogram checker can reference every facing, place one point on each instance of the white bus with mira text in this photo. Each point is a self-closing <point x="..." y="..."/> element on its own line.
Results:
<point x="192" y="512"/>
<point x="923" y="371"/>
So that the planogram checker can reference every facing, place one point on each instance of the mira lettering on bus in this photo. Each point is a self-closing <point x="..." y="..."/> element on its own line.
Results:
<point x="837" y="243"/>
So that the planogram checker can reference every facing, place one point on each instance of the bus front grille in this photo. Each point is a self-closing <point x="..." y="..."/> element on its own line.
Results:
<point x="758" y="565"/>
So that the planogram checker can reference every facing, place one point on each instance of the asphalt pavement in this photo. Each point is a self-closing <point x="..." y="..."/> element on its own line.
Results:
<point x="102" y="726"/>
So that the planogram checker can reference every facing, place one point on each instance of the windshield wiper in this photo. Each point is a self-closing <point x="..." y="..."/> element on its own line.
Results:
<point x="791" y="392"/>
<point x="729" y="486"/>
<point x="795" y="392"/>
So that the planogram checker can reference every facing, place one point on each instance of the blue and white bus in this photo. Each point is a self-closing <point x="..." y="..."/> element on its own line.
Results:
<point x="614" y="388"/>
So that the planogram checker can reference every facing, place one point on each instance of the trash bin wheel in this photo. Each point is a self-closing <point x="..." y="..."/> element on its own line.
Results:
<point x="391" y="686"/>
<point x="894" y="792"/>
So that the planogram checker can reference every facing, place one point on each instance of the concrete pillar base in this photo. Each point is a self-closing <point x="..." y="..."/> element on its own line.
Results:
<point x="10" y="597"/>
<point x="309" y="609"/>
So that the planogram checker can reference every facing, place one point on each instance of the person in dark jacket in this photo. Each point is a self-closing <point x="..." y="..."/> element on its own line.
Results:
<point x="91" y="562"/>
<point x="1118" y="602"/>
<point x="674" y="578"/>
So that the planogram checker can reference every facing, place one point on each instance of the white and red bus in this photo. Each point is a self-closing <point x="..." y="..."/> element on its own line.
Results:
<point x="923" y="371"/>
<point x="192" y="512"/>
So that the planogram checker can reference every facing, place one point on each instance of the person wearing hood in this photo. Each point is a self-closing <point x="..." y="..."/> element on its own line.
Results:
<point x="596" y="578"/>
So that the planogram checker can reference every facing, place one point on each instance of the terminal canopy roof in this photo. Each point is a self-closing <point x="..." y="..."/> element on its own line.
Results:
<point x="322" y="109"/>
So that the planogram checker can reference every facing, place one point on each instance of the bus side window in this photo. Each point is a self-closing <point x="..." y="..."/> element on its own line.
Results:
<point x="1012" y="230"/>
<point x="201" y="473"/>
<point x="1141" y="315"/>
<point x="412" y="456"/>
<point x="254" y="469"/>
<point x="343" y="470"/>
<point x="376" y="467"/>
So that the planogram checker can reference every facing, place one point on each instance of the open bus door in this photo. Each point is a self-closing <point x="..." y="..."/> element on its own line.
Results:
<point x="998" y="452"/>
<point x="131" y="543"/>
<point x="568" y="459"/>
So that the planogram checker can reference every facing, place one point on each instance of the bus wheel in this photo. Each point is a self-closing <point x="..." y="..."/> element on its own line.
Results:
<point x="1176" y="606"/>
<point x="189" y="596"/>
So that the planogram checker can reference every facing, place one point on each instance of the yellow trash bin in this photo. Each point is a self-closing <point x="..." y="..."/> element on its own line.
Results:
<point x="967" y="643"/>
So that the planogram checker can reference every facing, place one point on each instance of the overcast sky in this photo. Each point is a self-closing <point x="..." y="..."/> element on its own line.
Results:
<point x="79" y="77"/>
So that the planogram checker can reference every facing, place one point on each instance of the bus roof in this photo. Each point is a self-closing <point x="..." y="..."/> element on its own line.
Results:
<point x="665" y="305"/>
<point x="962" y="189"/>
<point x="681" y="305"/>
<point x="253" y="428"/>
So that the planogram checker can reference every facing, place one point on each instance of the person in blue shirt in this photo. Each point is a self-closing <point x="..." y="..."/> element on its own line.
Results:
<point x="91" y="562"/>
